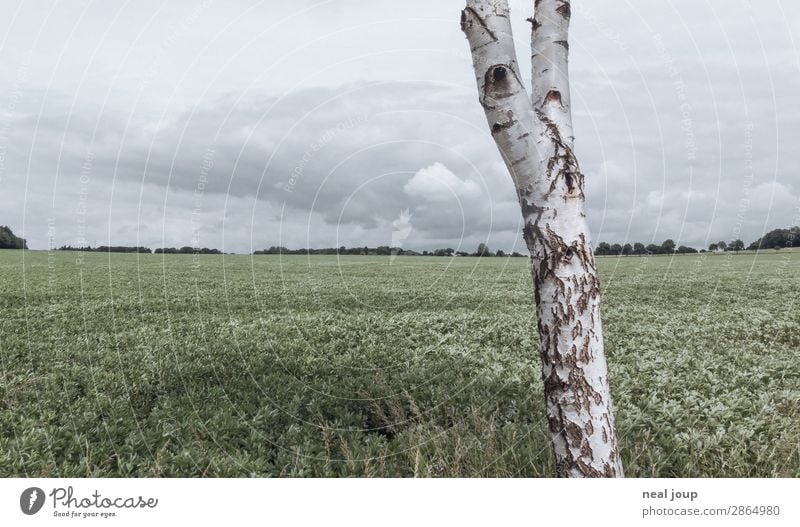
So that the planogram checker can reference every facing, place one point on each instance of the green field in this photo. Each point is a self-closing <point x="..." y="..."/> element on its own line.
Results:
<point x="150" y="365"/>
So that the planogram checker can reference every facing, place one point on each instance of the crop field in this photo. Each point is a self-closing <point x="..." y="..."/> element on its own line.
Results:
<point x="181" y="365"/>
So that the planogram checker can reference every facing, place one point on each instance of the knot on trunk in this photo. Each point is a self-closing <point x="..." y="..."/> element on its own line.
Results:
<point x="498" y="83"/>
<point x="553" y="97"/>
<point x="564" y="10"/>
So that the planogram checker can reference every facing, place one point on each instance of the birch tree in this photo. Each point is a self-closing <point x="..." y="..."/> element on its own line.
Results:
<point x="535" y="138"/>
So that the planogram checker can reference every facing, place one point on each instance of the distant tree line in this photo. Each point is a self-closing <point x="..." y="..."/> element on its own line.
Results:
<point x="385" y="250"/>
<point x="143" y="250"/>
<point x="187" y="250"/>
<point x="10" y="241"/>
<point x="778" y="239"/>
<point x="107" y="249"/>
<point x="638" y="248"/>
<point x="775" y="239"/>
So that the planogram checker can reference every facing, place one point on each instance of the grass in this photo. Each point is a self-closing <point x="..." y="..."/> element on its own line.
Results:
<point x="143" y="365"/>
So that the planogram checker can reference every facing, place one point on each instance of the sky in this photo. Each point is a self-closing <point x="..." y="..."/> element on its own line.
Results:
<point x="244" y="124"/>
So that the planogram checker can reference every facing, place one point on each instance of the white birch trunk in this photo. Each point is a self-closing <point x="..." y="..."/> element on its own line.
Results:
<point x="535" y="139"/>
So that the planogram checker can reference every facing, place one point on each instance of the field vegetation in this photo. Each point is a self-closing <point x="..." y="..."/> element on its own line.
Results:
<point x="220" y="365"/>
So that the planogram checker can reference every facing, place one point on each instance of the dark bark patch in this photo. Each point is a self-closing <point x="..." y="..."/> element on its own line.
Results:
<point x="504" y="125"/>
<point x="562" y="165"/>
<point x="570" y="183"/>
<point x="553" y="424"/>
<point x="564" y="10"/>
<point x="553" y="97"/>
<point x="585" y="355"/>
<point x="562" y="43"/>
<point x="576" y="330"/>
<point x="529" y="209"/>
<point x="586" y="450"/>
<point x="574" y="434"/>
<point x="530" y="240"/>
<point x="588" y="471"/>
<point x="552" y="128"/>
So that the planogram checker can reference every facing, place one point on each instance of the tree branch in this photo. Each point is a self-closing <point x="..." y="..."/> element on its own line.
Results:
<point x="549" y="64"/>
<point x="501" y="91"/>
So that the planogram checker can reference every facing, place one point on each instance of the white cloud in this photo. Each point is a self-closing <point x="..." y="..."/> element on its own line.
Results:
<point x="437" y="183"/>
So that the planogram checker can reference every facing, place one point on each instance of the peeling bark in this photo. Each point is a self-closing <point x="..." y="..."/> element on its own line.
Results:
<point x="535" y="138"/>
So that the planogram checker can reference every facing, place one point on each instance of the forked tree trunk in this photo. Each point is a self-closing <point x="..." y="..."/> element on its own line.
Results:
<point x="535" y="139"/>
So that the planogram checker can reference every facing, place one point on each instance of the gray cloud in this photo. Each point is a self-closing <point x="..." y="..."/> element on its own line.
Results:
<point x="180" y="129"/>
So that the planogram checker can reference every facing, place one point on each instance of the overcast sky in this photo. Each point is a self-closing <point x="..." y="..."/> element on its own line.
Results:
<point x="240" y="124"/>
